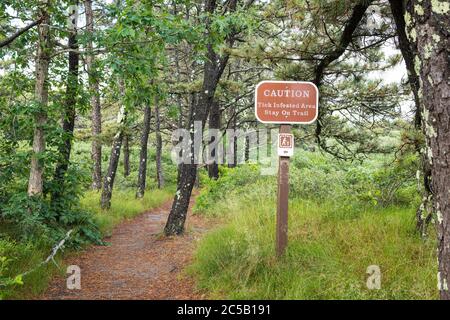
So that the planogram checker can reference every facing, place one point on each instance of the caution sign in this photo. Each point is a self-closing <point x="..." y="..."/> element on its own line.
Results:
<point x="286" y="102"/>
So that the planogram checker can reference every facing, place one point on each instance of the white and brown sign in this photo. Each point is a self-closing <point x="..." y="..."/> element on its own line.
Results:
<point x="285" y="145"/>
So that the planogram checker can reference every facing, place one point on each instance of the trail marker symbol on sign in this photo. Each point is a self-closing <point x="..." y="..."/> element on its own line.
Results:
<point x="285" y="145"/>
<point x="286" y="103"/>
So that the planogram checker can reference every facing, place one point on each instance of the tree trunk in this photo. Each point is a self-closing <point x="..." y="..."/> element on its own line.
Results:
<point x="214" y="123"/>
<point x="177" y="216"/>
<point x="159" y="171"/>
<point x="142" y="175"/>
<point x="197" y="178"/>
<point x="96" y="151"/>
<point x="213" y="70"/>
<point x="126" y="155"/>
<point x="68" y="118"/>
<point x="233" y="145"/>
<point x="36" y="183"/>
<point x="247" y="149"/>
<point x="409" y="50"/>
<point x="193" y="101"/>
<point x="108" y="182"/>
<point x="430" y="30"/>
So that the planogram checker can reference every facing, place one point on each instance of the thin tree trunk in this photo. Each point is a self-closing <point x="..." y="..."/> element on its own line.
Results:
<point x="214" y="123"/>
<point x="96" y="151"/>
<point x="408" y="51"/>
<point x="430" y="25"/>
<point x="69" y="113"/>
<point x="177" y="216"/>
<point x="36" y="183"/>
<point x="193" y="101"/>
<point x="247" y="149"/>
<point x="233" y="145"/>
<point x="108" y="182"/>
<point x="199" y="112"/>
<point x="126" y="155"/>
<point x="142" y="174"/>
<point x="197" y="179"/>
<point x="178" y="98"/>
<point x="159" y="171"/>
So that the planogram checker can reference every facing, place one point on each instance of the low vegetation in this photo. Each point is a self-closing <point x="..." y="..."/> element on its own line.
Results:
<point x="27" y="239"/>
<point x="335" y="234"/>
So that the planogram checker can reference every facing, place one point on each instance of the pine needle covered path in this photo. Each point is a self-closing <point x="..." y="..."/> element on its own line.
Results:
<point x="139" y="263"/>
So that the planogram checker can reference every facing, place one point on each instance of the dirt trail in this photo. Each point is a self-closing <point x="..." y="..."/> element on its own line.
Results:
<point x="138" y="264"/>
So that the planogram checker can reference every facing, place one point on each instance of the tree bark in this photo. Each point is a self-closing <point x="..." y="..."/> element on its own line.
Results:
<point x="69" y="113"/>
<point x="126" y="155"/>
<point x="36" y="183"/>
<point x="159" y="170"/>
<point x="108" y="182"/>
<point x="199" y="112"/>
<point x="408" y="51"/>
<point x="247" y="149"/>
<point x="430" y="25"/>
<point x="232" y="147"/>
<point x="214" y="123"/>
<point x="96" y="149"/>
<point x="142" y="174"/>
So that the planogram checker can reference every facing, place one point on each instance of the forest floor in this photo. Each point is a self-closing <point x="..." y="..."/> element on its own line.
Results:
<point x="139" y="262"/>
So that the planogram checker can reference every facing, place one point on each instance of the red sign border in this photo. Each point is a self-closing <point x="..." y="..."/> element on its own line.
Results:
<point x="287" y="122"/>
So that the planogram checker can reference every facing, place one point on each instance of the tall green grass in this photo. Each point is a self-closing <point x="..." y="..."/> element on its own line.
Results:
<point x="330" y="248"/>
<point x="22" y="257"/>
<point x="124" y="205"/>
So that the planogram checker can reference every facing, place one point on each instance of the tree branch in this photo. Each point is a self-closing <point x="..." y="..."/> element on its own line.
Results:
<point x="11" y="38"/>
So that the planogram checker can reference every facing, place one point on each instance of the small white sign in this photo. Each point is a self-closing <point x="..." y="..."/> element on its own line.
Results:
<point x="285" y="145"/>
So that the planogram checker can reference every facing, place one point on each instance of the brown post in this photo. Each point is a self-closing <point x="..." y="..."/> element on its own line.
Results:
<point x="282" y="199"/>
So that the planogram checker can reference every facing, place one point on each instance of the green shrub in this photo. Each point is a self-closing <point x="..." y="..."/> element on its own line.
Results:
<point x="231" y="179"/>
<point x="21" y="257"/>
<point x="6" y="280"/>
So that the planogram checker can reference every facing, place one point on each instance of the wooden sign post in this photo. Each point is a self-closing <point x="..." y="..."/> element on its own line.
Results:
<point x="285" y="103"/>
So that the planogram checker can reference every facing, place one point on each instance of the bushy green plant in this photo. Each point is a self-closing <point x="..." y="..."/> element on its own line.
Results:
<point x="9" y="252"/>
<point x="35" y="218"/>
<point x="230" y="179"/>
<point x="378" y="181"/>
<point x="49" y="219"/>
<point x="7" y="281"/>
